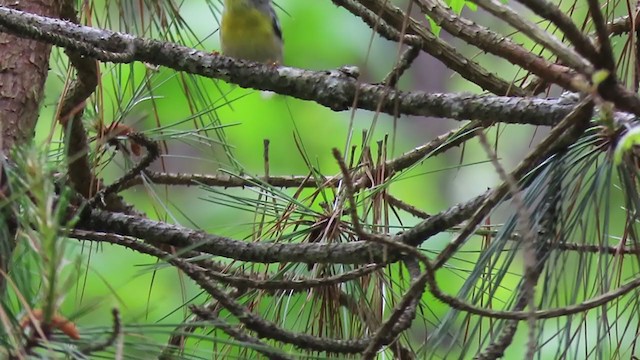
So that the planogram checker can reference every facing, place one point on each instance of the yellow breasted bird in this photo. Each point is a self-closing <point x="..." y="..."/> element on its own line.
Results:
<point x="250" y="30"/>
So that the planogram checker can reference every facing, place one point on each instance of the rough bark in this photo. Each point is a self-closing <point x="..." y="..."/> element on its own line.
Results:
<point x="23" y="70"/>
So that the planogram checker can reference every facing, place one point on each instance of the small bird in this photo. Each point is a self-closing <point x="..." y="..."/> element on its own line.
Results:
<point x="250" y="30"/>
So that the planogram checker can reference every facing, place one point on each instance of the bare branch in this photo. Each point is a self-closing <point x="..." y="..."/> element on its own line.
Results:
<point x="494" y="43"/>
<point x="388" y="20"/>
<point x="566" y="55"/>
<point x="333" y="89"/>
<point x="551" y="12"/>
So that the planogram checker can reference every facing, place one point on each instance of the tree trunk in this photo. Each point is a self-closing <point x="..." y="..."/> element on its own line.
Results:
<point x="23" y="70"/>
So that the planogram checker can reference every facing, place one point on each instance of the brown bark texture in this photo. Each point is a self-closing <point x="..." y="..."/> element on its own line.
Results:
<point x="23" y="70"/>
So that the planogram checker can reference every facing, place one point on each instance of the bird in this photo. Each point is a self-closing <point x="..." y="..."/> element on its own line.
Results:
<point x="250" y="30"/>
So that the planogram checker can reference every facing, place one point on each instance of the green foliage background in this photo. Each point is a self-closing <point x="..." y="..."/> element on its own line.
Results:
<point x="318" y="35"/>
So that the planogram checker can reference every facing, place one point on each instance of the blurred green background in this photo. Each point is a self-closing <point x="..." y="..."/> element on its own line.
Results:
<point x="318" y="35"/>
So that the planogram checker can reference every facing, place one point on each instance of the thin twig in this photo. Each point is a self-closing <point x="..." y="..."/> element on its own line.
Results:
<point x="605" y="60"/>
<point x="530" y="260"/>
<point x="566" y="55"/>
<point x="553" y="13"/>
<point x="238" y="334"/>
<point x="388" y="19"/>
<point x="406" y="60"/>
<point x="561" y="136"/>
<point x="153" y="152"/>
<point x="113" y="336"/>
<point x="494" y="43"/>
<point x="404" y="311"/>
